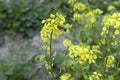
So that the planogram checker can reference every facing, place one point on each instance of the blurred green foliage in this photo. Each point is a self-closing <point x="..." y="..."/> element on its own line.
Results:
<point x="20" y="16"/>
<point x="17" y="66"/>
<point x="14" y="71"/>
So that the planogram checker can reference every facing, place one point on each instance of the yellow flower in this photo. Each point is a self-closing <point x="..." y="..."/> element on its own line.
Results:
<point x="105" y="2"/>
<point x="117" y="32"/>
<point x="67" y="43"/>
<point x="66" y="76"/>
<point x="95" y="76"/>
<point x="103" y="41"/>
<point x="115" y="43"/>
<point x="51" y="25"/>
<point x="82" y="53"/>
<point x="110" y="8"/>
<point x="77" y="16"/>
<point x="79" y="6"/>
<point x="52" y="16"/>
<point x="85" y="18"/>
<point x="71" y="2"/>
<point x="111" y="22"/>
<point x="97" y="11"/>
<point x="104" y="29"/>
<point x="110" y="61"/>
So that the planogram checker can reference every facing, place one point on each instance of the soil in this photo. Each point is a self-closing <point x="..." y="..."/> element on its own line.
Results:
<point x="32" y="45"/>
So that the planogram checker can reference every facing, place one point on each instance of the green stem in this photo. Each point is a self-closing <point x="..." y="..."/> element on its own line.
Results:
<point x="117" y="65"/>
<point x="107" y="52"/>
<point x="105" y="62"/>
<point x="45" y="77"/>
<point x="51" y="57"/>
<point x="116" y="70"/>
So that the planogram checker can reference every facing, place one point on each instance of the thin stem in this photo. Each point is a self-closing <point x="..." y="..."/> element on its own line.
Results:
<point x="105" y="62"/>
<point x="45" y="77"/>
<point x="117" y="65"/>
<point x="116" y="69"/>
<point x="107" y="52"/>
<point x="51" y="56"/>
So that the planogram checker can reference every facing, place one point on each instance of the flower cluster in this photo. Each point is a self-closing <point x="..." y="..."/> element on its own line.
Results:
<point x="95" y="76"/>
<point x="111" y="27"/>
<point x="54" y="25"/>
<point x="88" y="18"/>
<point x="82" y="53"/>
<point x="66" y="76"/>
<point x="77" y="6"/>
<point x="113" y="22"/>
<point x="94" y="37"/>
<point x="80" y="15"/>
<point x="110" y="61"/>
<point x="71" y="2"/>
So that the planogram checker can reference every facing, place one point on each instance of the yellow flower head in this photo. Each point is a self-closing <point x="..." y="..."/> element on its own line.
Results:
<point x="66" y="76"/>
<point x="71" y="2"/>
<point x="79" y="6"/>
<point x="111" y="8"/>
<point x="95" y="76"/>
<point x="67" y="43"/>
<point x="82" y="53"/>
<point x="111" y="22"/>
<point x="110" y="61"/>
<point x="55" y="25"/>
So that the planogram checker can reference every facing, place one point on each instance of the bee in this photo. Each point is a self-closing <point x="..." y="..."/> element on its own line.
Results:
<point x="62" y="28"/>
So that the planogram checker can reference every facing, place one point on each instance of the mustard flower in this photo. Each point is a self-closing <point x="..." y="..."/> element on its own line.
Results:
<point x="71" y="2"/>
<point x="90" y="16"/>
<point x="97" y="11"/>
<point x="67" y="43"/>
<point x="111" y="22"/>
<point x="77" y="17"/>
<point x="114" y="43"/>
<point x="102" y="41"/>
<point x="117" y="32"/>
<point x="110" y="61"/>
<point x="110" y="8"/>
<point x="78" y="6"/>
<point x="52" y="26"/>
<point x="95" y="76"/>
<point x="82" y="53"/>
<point x="88" y="19"/>
<point x="66" y="76"/>
<point x="105" y="2"/>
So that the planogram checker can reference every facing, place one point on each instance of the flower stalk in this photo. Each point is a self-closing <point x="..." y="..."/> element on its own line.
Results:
<point x="51" y="57"/>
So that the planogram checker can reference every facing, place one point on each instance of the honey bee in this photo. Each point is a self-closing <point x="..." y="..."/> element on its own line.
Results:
<point x="62" y="28"/>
